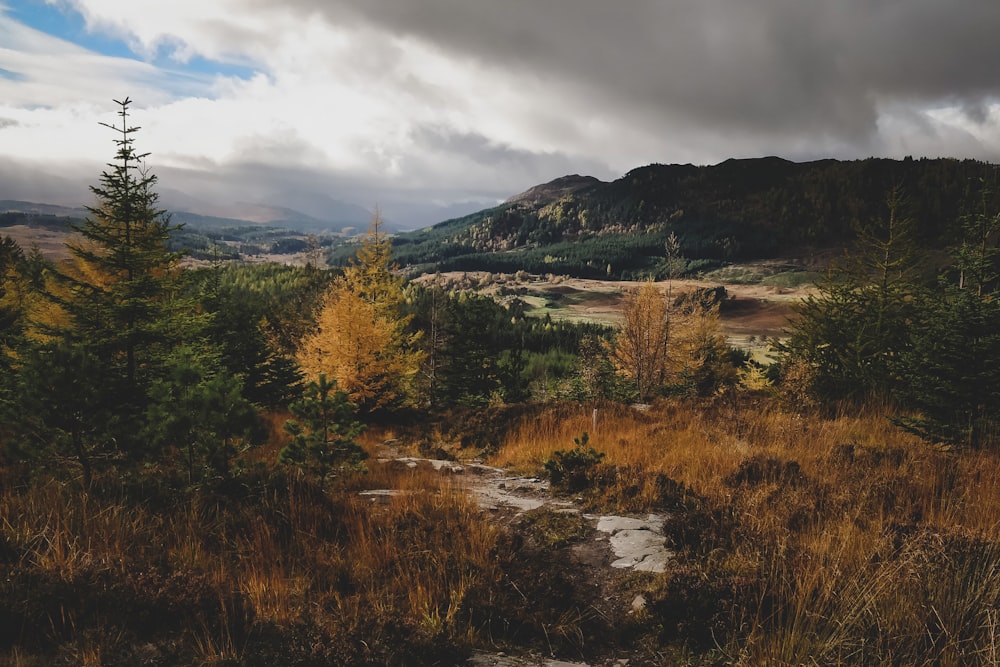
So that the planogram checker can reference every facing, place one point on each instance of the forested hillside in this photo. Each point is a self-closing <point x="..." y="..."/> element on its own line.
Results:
<point x="733" y="211"/>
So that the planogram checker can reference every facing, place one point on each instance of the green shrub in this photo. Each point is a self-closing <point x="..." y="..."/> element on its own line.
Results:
<point x="570" y="471"/>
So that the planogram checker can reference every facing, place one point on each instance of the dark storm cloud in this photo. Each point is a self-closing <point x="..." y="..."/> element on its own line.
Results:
<point x="769" y="67"/>
<point x="475" y="151"/>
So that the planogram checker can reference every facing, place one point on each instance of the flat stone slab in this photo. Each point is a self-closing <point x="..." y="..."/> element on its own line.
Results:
<point x="382" y="496"/>
<point x="614" y="524"/>
<point x="637" y="543"/>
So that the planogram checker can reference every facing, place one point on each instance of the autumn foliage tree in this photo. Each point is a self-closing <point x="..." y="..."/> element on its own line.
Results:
<point x="361" y="339"/>
<point x="664" y="341"/>
<point x="12" y="300"/>
<point x="640" y="348"/>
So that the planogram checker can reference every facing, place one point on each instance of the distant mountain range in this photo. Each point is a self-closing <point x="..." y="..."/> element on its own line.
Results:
<point x="737" y="210"/>
<point x="254" y="230"/>
<point x="347" y="220"/>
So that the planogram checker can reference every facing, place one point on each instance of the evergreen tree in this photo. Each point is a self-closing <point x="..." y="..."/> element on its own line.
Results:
<point x="978" y="250"/>
<point x="323" y="431"/>
<point x="237" y="328"/>
<point x="471" y="373"/>
<point x="951" y="368"/>
<point x="119" y="292"/>
<point x="853" y="331"/>
<point x="60" y="400"/>
<point x="428" y="307"/>
<point x="198" y="407"/>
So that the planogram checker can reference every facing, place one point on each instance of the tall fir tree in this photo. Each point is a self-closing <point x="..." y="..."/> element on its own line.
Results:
<point x="119" y="292"/>
<point x="950" y="370"/>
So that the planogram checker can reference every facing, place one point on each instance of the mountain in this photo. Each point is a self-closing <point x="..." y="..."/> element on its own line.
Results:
<point x="36" y="209"/>
<point x="241" y="214"/>
<point x="261" y="230"/>
<point x="540" y="195"/>
<point x="738" y="210"/>
<point x="335" y="218"/>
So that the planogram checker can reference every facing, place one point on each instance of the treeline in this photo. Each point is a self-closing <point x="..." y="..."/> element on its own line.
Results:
<point x="737" y="210"/>
<point x="885" y="327"/>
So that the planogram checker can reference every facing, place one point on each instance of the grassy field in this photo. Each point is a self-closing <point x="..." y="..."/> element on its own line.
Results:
<point x="801" y="538"/>
<point x="756" y="311"/>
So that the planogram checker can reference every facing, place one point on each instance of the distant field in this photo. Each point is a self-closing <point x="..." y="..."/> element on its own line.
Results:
<point x="752" y="314"/>
<point x="51" y="243"/>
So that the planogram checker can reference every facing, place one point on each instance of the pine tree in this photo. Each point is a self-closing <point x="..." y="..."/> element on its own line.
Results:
<point x="853" y="331"/>
<point x="199" y="408"/>
<point x="62" y="406"/>
<point x="119" y="293"/>
<point x="470" y="374"/>
<point x="951" y="367"/>
<point x="323" y="431"/>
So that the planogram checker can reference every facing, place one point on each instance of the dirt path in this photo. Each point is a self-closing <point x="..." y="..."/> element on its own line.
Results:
<point x="635" y="543"/>
<point x="615" y="545"/>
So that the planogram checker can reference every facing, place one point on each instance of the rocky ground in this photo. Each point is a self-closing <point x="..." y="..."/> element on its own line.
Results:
<point x="604" y="550"/>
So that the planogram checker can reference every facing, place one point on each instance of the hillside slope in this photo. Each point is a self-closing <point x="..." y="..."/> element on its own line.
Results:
<point x="737" y="210"/>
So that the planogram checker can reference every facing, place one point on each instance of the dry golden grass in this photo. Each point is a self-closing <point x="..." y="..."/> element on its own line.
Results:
<point x="229" y="575"/>
<point x="854" y="542"/>
<point x="801" y="539"/>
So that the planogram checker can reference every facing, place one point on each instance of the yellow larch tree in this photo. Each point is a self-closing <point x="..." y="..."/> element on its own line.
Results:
<point x="360" y="338"/>
<point x="639" y="350"/>
<point x="663" y="340"/>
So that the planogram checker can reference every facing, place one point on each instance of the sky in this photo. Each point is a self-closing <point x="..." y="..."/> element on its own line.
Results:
<point x="430" y="108"/>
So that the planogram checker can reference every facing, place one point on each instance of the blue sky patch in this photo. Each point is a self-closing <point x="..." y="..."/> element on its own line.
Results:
<point x="10" y="76"/>
<point x="67" y="24"/>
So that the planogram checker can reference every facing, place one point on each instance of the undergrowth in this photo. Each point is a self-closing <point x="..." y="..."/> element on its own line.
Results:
<point x="266" y="569"/>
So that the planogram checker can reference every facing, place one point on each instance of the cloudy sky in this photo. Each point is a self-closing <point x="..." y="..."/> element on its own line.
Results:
<point x="428" y="107"/>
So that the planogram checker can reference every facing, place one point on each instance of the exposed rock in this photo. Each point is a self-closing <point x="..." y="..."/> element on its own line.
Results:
<point x="382" y="496"/>
<point x="638" y="543"/>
